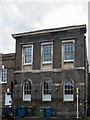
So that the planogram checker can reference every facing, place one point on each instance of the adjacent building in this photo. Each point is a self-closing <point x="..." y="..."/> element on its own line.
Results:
<point x="50" y="65"/>
<point x="6" y="79"/>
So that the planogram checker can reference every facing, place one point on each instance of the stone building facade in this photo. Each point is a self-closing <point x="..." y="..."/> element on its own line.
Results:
<point x="7" y="65"/>
<point x="49" y="65"/>
<point x="88" y="113"/>
<point x="88" y="89"/>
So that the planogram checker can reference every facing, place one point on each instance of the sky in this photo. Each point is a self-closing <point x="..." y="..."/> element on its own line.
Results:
<point x="18" y="16"/>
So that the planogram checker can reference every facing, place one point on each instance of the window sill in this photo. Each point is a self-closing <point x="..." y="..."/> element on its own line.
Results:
<point x="70" y="61"/>
<point x="68" y="101"/>
<point x="46" y="100"/>
<point x="26" y="100"/>
<point x="3" y="82"/>
<point x="46" y="63"/>
<point x="27" y="64"/>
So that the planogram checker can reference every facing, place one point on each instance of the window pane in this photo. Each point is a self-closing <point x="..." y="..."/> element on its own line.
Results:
<point x="66" y="91"/>
<point x="27" y="97"/>
<point x="66" y="86"/>
<point x="68" y="55"/>
<point x="49" y="91"/>
<point x="71" y="91"/>
<point x="71" y="87"/>
<point x="68" y="98"/>
<point x="45" y="91"/>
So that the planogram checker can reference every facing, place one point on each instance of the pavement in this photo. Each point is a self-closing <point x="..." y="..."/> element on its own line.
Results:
<point x="52" y="118"/>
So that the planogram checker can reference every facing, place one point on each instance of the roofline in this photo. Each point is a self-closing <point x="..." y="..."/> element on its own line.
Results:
<point x="49" y="30"/>
<point x="8" y="55"/>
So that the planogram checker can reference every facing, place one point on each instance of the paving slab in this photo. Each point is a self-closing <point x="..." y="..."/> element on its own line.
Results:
<point x="52" y="118"/>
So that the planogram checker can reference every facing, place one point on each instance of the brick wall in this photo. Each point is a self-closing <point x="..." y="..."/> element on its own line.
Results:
<point x="57" y="75"/>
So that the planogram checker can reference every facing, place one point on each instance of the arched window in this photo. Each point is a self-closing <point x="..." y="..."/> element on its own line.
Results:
<point x="46" y="91"/>
<point x="68" y="90"/>
<point x="27" y="91"/>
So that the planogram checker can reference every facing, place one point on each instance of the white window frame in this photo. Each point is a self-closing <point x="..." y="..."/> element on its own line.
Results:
<point x="4" y="75"/>
<point x="67" y="42"/>
<point x="42" y="52"/>
<point x="68" y="97"/>
<point x="23" y="54"/>
<point x="68" y="51"/>
<point x="46" y="97"/>
<point x="24" y="94"/>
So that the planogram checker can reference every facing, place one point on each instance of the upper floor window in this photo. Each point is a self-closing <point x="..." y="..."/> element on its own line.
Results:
<point x="28" y="55"/>
<point x="27" y="91"/>
<point x="46" y="91"/>
<point x="68" y="90"/>
<point x="3" y="74"/>
<point x="47" y="53"/>
<point x="68" y="51"/>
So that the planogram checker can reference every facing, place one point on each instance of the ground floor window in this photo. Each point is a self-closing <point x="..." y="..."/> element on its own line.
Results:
<point x="69" y="90"/>
<point x="27" y="91"/>
<point x="46" y="91"/>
